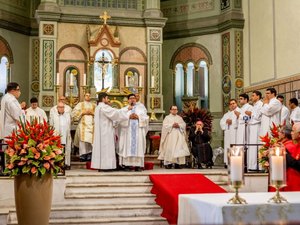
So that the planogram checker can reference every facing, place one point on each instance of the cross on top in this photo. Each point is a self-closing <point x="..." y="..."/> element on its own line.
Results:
<point x="105" y="17"/>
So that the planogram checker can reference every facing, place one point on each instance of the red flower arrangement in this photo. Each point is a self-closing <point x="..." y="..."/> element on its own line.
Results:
<point x="269" y="142"/>
<point x="34" y="149"/>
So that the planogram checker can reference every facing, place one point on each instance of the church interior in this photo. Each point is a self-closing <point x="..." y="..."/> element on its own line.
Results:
<point x="189" y="53"/>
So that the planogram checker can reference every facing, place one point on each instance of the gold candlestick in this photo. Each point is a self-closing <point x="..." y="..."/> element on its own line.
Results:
<point x="57" y="92"/>
<point x="71" y="95"/>
<point x="277" y="198"/>
<point x="84" y="89"/>
<point x="153" y="116"/>
<point x="236" y="199"/>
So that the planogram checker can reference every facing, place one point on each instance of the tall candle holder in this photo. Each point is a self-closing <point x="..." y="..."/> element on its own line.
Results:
<point x="236" y="173"/>
<point x="57" y="87"/>
<point x="71" y="95"/>
<point x="84" y="89"/>
<point x="277" y="171"/>
<point x="153" y="116"/>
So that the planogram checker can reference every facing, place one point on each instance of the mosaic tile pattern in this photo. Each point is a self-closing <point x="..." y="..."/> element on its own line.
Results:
<point x="226" y="84"/>
<point x="48" y="65"/>
<point x="47" y="101"/>
<point x="239" y="64"/>
<point x="155" y="65"/>
<point x="35" y="65"/>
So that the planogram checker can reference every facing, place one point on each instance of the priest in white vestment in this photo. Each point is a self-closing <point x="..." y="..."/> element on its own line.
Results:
<point x="61" y="121"/>
<point x="84" y="114"/>
<point x="229" y="123"/>
<point x="242" y="136"/>
<point x="173" y="145"/>
<point x="132" y="140"/>
<point x="284" y="113"/>
<point x="67" y="108"/>
<point x="295" y="111"/>
<point x="35" y="112"/>
<point x="104" y="151"/>
<point x="270" y="110"/>
<point x="11" y="111"/>
<point x="254" y="128"/>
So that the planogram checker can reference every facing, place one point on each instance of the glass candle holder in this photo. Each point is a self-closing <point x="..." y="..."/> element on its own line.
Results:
<point x="277" y="176"/>
<point x="236" y="173"/>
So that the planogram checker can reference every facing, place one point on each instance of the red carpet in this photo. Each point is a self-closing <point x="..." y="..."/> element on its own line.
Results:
<point x="167" y="187"/>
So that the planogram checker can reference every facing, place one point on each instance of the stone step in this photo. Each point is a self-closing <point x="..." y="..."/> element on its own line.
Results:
<point x="98" y="188"/>
<point x="150" y="220"/>
<point x="98" y="211"/>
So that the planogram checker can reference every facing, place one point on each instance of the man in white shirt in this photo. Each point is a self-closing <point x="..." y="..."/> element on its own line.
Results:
<point x="242" y="129"/>
<point x="254" y="127"/>
<point x="61" y="121"/>
<point x="11" y="111"/>
<point x="295" y="111"/>
<point x="270" y="110"/>
<point x="35" y="112"/>
<point x="285" y="112"/>
<point x="67" y="108"/>
<point x="229" y="124"/>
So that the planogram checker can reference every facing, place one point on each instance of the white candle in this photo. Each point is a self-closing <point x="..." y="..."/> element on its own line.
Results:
<point x="152" y="81"/>
<point x="277" y="166"/>
<point x="140" y="81"/>
<point x="236" y="168"/>
<point x="126" y="81"/>
<point x="71" y="79"/>
<point x="57" y="78"/>
<point x="84" y="79"/>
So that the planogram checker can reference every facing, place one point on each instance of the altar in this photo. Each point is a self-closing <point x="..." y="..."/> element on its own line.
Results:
<point x="213" y="209"/>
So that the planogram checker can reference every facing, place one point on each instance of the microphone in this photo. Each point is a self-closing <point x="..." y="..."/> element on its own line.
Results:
<point x="246" y="118"/>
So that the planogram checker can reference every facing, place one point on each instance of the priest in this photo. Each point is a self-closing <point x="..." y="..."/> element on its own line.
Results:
<point x="34" y="111"/>
<point x="173" y="146"/>
<point x="104" y="154"/>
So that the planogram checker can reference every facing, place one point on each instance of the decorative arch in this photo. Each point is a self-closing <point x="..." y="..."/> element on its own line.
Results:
<point x="99" y="49"/>
<point x="125" y="50"/>
<point x="59" y="52"/>
<point x="190" y="52"/>
<point x="5" y="50"/>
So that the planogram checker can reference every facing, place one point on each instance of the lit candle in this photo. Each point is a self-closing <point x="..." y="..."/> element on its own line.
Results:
<point x="140" y="81"/>
<point x="71" y="79"/>
<point x="152" y="81"/>
<point x="236" y="168"/>
<point x="277" y="165"/>
<point x="84" y="79"/>
<point x="57" y="78"/>
<point x="126" y="81"/>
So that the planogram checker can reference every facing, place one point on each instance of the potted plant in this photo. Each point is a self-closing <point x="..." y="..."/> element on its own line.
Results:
<point x="34" y="155"/>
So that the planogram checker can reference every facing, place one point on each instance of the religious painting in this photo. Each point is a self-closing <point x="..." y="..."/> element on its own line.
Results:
<point x="132" y="79"/>
<point x="226" y="84"/>
<point x="71" y="79"/>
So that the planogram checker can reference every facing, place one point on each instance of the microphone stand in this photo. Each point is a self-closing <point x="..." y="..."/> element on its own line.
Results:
<point x="246" y="119"/>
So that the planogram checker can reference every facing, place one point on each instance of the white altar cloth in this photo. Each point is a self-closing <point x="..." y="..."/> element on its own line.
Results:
<point x="213" y="209"/>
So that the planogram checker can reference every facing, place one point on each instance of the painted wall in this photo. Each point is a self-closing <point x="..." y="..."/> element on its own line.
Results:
<point x="19" y="45"/>
<point x="271" y="40"/>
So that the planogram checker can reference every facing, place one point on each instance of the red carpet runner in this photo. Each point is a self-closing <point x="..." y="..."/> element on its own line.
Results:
<point x="167" y="187"/>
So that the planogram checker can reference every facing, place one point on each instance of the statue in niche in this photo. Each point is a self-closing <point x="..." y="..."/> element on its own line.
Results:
<point x="71" y="71"/>
<point x="132" y="80"/>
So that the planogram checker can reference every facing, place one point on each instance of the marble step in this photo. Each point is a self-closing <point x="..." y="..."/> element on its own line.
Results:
<point x="98" y="211"/>
<point x="149" y="220"/>
<point x="98" y="188"/>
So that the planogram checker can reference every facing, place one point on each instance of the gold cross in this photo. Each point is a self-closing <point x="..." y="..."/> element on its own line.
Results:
<point x="105" y="17"/>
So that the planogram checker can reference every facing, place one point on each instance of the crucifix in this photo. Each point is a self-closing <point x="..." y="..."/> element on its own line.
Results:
<point x="105" y="17"/>
<point x="103" y="62"/>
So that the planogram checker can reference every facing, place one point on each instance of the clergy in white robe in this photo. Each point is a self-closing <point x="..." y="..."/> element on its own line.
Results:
<point x="35" y="112"/>
<point x="104" y="151"/>
<point x="173" y="145"/>
<point x="254" y="128"/>
<point x="270" y="111"/>
<point x="243" y="119"/>
<point x="61" y="121"/>
<point x="132" y="140"/>
<point x="84" y="114"/>
<point x="11" y="111"/>
<point x="67" y="108"/>
<point x="284" y="113"/>
<point x="229" y="124"/>
<point x="295" y="111"/>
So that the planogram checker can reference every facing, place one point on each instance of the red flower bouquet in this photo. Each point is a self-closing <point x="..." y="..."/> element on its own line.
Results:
<point x="34" y="149"/>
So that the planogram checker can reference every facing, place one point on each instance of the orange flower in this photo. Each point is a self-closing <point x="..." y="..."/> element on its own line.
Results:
<point x="23" y="151"/>
<point x="47" y="157"/>
<point x="52" y="155"/>
<point x="34" y="150"/>
<point x="37" y="155"/>
<point x="10" y="166"/>
<point x="21" y="163"/>
<point x="58" y="152"/>
<point x="33" y="170"/>
<point x="47" y="165"/>
<point x="10" y="151"/>
<point x="17" y="147"/>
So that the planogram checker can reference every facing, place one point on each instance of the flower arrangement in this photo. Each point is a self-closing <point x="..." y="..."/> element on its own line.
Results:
<point x="269" y="142"/>
<point x="34" y="149"/>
